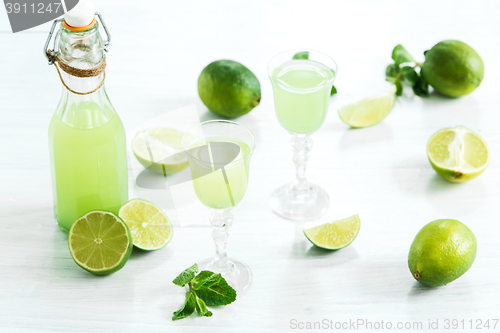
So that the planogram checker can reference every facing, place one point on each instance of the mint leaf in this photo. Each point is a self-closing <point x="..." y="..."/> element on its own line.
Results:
<point x="186" y="276"/>
<point x="217" y="294"/>
<point x="409" y="74"/>
<point x="400" y="55"/>
<point x="334" y="91"/>
<point x="188" y="308"/>
<point x="205" y="279"/>
<point x="392" y="70"/>
<point x="421" y="87"/>
<point x="399" y="88"/>
<point x="201" y="308"/>
<point x="301" y="56"/>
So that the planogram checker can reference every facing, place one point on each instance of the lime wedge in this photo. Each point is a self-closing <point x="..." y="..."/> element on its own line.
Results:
<point x="368" y="111"/>
<point x="150" y="227"/>
<point x="458" y="154"/>
<point x="335" y="235"/>
<point x="100" y="242"/>
<point x="160" y="150"/>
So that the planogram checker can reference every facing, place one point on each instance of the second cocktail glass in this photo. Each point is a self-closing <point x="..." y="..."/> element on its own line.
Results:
<point x="219" y="153"/>
<point x="302" y="81"/>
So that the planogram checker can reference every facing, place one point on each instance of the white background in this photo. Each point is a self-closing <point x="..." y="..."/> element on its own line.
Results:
<point x="382" y="173"/>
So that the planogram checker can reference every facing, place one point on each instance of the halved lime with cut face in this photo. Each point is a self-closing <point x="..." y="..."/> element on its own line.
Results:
<point x="458" y="154"/>
<point x="100" y="242"/>
<point x="160" y="150"/>
<point x="335" y="235"/>
<point x="150" y="227"/>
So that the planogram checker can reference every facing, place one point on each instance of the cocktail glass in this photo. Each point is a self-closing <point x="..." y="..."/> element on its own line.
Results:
<point x="302" y="81"/>
<point x="219" y="153"/>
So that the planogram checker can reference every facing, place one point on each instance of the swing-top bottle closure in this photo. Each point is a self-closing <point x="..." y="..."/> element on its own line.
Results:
<point x="79" y="33"/>
<point x="81" y="18"/>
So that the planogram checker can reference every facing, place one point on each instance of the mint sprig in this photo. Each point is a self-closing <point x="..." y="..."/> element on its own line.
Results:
<point x="406" y="71"/>
<point x="206" y="288"/>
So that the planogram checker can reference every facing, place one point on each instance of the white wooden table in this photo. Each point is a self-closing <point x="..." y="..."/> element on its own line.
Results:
<point x="382" y="172"/>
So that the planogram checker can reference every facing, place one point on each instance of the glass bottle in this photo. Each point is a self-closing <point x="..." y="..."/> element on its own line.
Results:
<point x="86" y="136"/>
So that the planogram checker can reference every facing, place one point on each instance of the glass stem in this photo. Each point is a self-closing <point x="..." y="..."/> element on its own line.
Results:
<point x="221" y="221"/>
<point x="302" y="145"/>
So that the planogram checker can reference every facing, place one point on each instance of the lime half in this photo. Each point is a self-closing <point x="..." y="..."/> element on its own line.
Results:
<point x="335" y="235"/>
<point x="458" y="154"/>
<point x="160" y="150"/>
<point x="100" y="242"/>
<point x="369" y="111"/>
<point x="150" y="227"/>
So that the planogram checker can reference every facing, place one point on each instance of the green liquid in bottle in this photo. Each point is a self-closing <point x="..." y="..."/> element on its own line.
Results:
<point x="89" y="165"/>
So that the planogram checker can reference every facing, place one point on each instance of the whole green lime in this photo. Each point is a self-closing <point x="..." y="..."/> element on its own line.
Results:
<point x="228" y="88"/>
<point x="442" y="251"/>
<point x="453" y="68"/>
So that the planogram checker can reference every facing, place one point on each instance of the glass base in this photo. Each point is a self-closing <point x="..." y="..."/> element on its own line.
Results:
<point x="238" y="275"/>
<point x="294" y="204"/>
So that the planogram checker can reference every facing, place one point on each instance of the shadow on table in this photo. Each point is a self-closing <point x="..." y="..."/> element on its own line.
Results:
<point x="419" y="289"/>
<point x="439" y="184"/>
<point x="138" y="254"/>
<point x="460" y="288"/>
<point x="153" y="258"/>
<point x="455" y="198"/>
<point x="447" y="198"/>
<point x="61" y="267"/>
<point x="465" y="110"/>
<point x="208" y="115"/>
<point x="334" y="126"/>
<point x="435" y="98"/>
<point x="307" y="250"/>
<point x="363" y="136"/>
<point x="345" y="254"/>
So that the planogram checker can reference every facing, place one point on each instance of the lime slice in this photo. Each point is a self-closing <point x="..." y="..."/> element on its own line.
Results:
<point x="150" y="227"/>
<point x="458" y="154"/>
<point x="335" y="235"/>
<point x="100" y="242"/>
<point x="368" y="111"/>
<point x="160" y="150"/>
